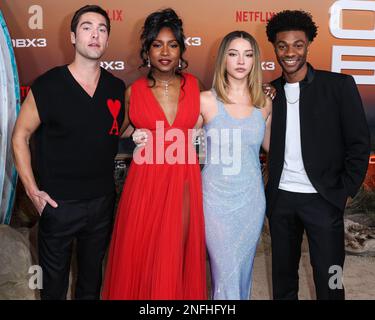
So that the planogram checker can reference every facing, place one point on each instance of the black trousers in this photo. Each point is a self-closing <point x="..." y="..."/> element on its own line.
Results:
<point x="90" y="223"/>
<point x="324" y="225"/>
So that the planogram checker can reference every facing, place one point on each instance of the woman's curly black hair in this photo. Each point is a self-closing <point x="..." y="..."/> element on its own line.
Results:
<point x="289" y="20"/>
<point x="156" y="21"/>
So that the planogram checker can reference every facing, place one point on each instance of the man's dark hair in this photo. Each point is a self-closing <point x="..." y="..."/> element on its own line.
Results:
<point x="86" y="9"/>
<point x="291" y="20"/>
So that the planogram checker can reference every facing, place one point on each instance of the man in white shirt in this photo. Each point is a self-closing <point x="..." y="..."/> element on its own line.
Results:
<point x="318" y="157"/>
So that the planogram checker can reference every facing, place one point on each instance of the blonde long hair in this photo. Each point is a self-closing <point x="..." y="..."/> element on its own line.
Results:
<point x="220" y="82"/>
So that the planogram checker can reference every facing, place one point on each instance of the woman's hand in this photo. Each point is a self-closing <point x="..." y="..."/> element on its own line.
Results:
<point x="139" y="137"/>
<point x="269" y="90"/>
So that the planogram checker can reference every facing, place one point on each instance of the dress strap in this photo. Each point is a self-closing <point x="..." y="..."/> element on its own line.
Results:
<point x="219" y="103"/>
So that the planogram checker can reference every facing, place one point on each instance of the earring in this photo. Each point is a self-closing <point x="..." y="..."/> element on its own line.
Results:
<point x="179" y="64"/>
<point x="148" y="62"/>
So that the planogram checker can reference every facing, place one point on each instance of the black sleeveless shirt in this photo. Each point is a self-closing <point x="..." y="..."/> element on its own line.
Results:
<point x="77" y="140"/>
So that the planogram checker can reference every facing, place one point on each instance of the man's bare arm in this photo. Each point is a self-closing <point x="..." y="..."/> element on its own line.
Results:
<point x="27" y="122"/>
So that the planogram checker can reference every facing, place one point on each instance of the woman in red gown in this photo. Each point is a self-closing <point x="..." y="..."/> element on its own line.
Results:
<point x="157" y="249"/>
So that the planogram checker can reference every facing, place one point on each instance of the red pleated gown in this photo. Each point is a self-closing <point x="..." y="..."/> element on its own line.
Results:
<point x="157" y="249"/>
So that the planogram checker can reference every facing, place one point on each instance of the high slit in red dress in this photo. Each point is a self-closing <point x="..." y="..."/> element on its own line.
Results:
<point x="157" y="249"/>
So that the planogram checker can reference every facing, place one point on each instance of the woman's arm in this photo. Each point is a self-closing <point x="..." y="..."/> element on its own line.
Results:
<point x="267" y="114"/>
<point x="126" y="128"/>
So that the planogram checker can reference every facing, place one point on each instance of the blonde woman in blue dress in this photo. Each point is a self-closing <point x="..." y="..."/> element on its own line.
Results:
<point x="236" y="117"/>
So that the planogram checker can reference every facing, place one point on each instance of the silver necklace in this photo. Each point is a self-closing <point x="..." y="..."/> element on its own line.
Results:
<point x="166" y="85"/>
<point x="291" y="102"/>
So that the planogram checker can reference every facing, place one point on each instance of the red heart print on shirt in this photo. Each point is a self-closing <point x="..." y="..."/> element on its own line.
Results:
<point x="114" y="107"/>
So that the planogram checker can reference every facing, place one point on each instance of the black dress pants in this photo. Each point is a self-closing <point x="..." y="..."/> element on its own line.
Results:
<point x="292" y="214"/>
<point x="88" y="221"/>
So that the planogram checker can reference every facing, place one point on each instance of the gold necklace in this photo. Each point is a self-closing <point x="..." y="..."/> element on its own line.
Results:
<point x="166" y="84"/>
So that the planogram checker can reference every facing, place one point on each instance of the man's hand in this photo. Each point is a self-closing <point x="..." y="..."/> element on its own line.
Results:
<point x="40" y="200"/>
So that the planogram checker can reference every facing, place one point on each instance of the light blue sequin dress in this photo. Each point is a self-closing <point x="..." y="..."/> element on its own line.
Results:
<point x="234" y="201"/>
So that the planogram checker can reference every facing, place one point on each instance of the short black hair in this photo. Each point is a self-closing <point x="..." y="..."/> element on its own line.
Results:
<point x="156" y="21"/>
<point x="291" y="20"/>
<point x="86" y="9"/>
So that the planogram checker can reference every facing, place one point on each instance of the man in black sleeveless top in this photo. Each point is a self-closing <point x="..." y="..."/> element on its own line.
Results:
<point x="76" y="111"/>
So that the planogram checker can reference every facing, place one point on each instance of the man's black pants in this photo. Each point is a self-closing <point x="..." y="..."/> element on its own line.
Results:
<point x="292" y="214"/>
<point x="88" y="221"/>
